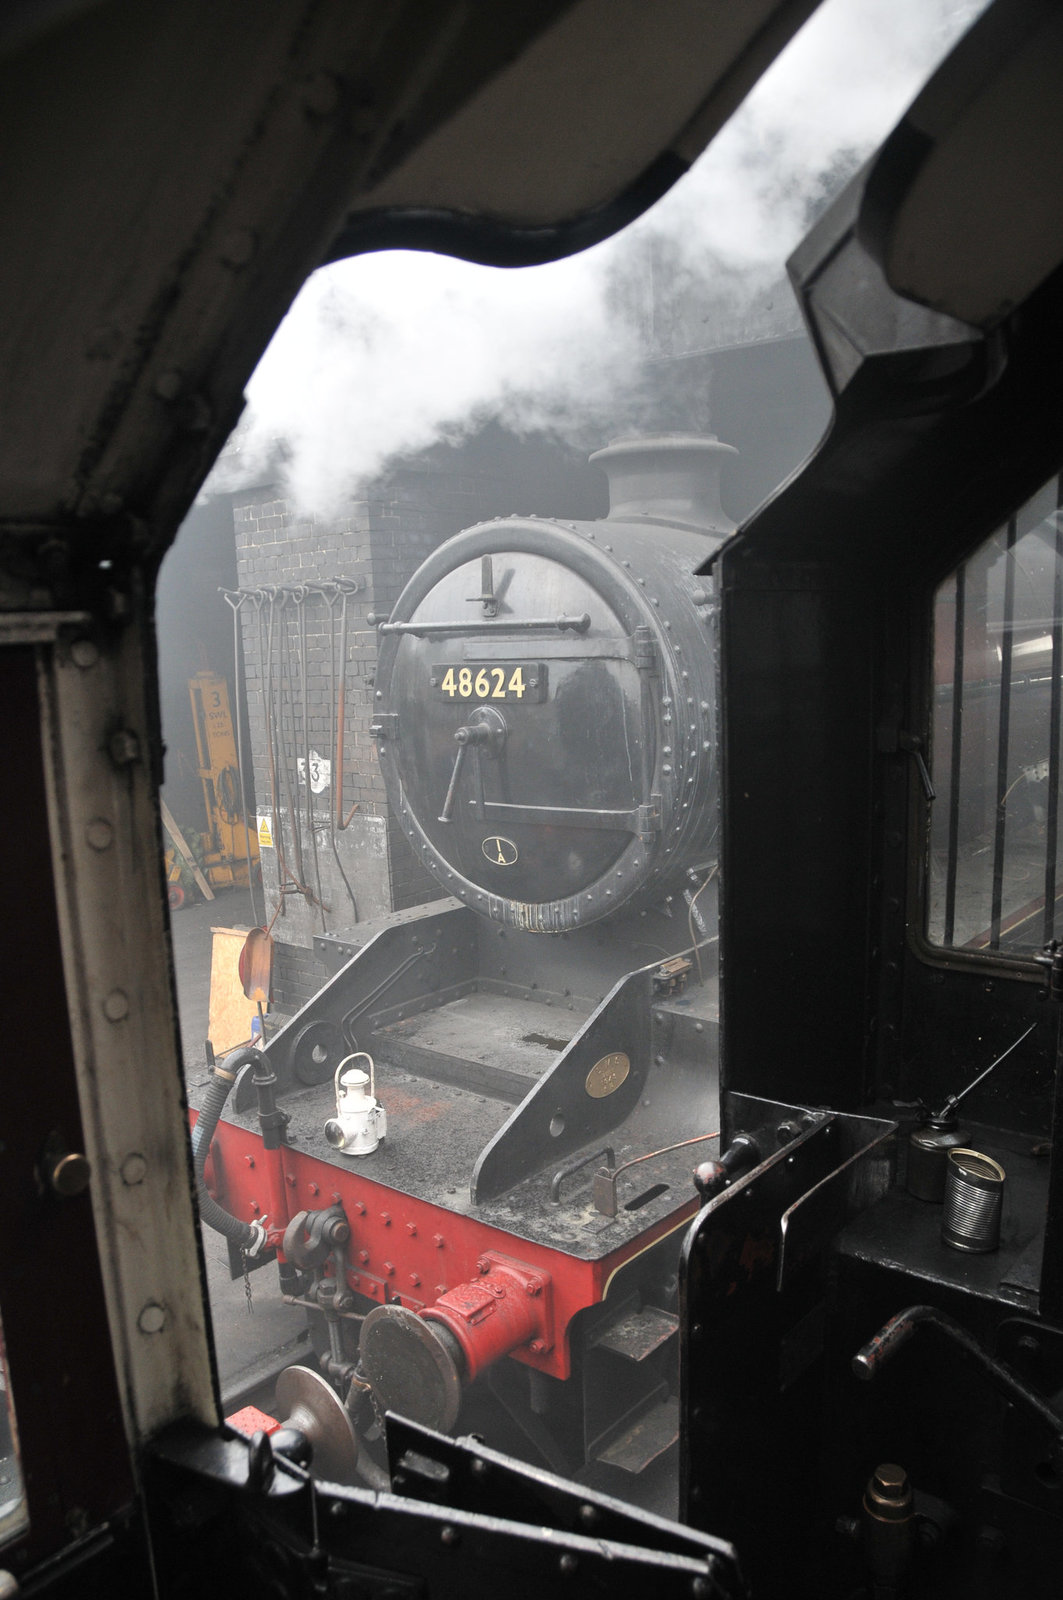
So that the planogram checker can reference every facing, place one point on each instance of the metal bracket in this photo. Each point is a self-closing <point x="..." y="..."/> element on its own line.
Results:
<point x="39" y="627"/>
<point x="648" y="817"/>
<point x="645" y="649"/>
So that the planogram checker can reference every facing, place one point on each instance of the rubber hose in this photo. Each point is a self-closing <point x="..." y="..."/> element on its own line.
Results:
<point x="221" y="1082"/>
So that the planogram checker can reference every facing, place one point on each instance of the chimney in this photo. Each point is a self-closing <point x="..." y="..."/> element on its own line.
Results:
<point x="674" y="477"/>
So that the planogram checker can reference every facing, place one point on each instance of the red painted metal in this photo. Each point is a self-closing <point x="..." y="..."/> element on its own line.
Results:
<point x="249" y="1420"/>
<point x="497" y="1313"/>
<point x="410" y="1252"/>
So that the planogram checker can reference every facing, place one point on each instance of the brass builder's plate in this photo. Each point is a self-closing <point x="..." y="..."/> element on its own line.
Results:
<point x="607" y="1074"/>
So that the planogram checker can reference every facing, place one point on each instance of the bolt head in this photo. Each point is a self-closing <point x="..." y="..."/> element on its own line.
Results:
<point x="84" y="653"/>
<point x="152" y="1318"/>
<point x="99" y="834"/>
<point x="124" y="747"/>
<point x="134" y="1169"/>
<point x="70" y="1176"/>
<point x="116" y="1005"/>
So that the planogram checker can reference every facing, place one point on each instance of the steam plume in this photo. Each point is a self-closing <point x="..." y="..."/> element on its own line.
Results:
<point x="386" y="354"/>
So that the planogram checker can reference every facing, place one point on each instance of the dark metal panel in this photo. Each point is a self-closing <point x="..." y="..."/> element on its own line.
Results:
<point x="55" y="1322"/>
<point x="795" y="874"/>
<point x="737" y="1403"/>
<point x="559" y="1115"/>
<point x="405" y="965"/>
<point x="227" y="1511"/>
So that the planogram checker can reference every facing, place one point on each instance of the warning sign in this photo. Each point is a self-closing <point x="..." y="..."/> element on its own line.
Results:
<point x="265" y="833"/>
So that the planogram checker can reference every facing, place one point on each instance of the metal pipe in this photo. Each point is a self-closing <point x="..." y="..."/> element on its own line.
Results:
<point x="293" y="810"/>
<point x="347" y="587"/>
<point x="1052" y="817"/>
<point x="1003" y="733"/>
<point x="432" y="630"/>
<point x="299" y="595"/>
<point x="880" y="1350"/>
<point x="952" y="863"/>
<point x="234" y="605"/>
<point x="337" y="713"/>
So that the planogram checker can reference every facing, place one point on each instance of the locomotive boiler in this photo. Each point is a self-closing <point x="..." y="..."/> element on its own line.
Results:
<point x="471" y="1153"/>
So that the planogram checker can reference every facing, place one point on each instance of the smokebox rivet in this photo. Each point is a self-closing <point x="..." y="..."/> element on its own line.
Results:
<point x="84" y="654"/>
<point x="134" y="1169"/>
<point x="116" y="1005"/>
<point x="568" y="1563"/>
<point x="450" y="1536"/>
<point x="152" y="1318"/>
<point x="99" y="833"/>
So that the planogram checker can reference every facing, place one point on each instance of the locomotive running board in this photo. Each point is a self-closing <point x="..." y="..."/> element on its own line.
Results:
<point x="616" y="1072"/>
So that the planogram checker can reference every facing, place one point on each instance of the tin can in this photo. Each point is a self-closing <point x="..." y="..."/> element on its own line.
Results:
<point x="974" y="1194"/>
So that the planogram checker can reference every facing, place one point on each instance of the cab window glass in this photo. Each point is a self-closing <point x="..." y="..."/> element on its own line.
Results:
<point x="13" y="1518"/>
<point x="998" y="659"/>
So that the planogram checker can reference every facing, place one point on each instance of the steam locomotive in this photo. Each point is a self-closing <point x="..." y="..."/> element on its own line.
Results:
<point x="865" y="1407"/>
<point x="476" y="1142"/>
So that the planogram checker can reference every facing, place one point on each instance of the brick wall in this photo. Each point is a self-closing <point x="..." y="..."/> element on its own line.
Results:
<point x="378" y="541"/>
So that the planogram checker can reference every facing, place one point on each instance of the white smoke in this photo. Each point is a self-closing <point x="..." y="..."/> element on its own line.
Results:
<point x="386" y="354"/>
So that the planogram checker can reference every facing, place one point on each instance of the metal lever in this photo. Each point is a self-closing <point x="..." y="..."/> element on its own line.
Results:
<point x="914" y="746"/>
<point x="485" y="730"/>
<point x="604" y="1191"/>
<point x="486" y="597"/>
<point x="459" y="761"/>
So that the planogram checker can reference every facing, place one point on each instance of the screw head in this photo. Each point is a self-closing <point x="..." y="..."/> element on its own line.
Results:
<point x="99" y="834"/>
<point x="116" y="1005"/>
<point x="152" y="1318"/>
<point x="134" y="1169"/>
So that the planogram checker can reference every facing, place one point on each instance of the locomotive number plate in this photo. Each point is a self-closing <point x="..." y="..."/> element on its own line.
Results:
<point x="522" y="681"/>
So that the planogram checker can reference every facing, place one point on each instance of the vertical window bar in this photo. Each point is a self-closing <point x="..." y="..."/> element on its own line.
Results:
<point x="952" y="865"/>
<point x="1003" y="728"/>
<point x="1052" y="820"/>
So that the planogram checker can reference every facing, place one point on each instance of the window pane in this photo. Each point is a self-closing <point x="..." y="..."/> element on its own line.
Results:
<point x="998" y="656"/>
<point x="13" y="1518"/>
